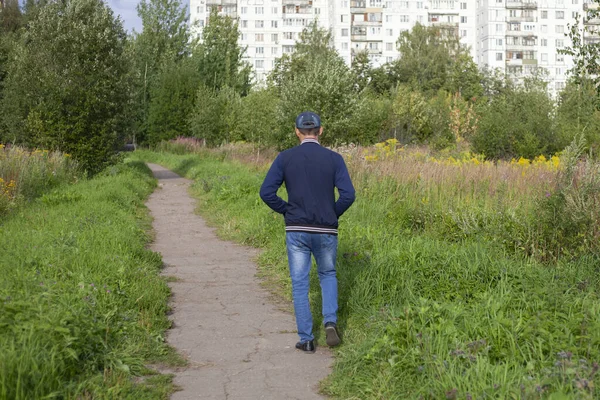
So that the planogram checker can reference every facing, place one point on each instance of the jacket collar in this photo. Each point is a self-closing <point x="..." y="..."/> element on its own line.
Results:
<point x="310" y="141"/>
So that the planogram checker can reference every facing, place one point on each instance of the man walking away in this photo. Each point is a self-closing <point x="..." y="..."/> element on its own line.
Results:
<point x="310" y="173"/>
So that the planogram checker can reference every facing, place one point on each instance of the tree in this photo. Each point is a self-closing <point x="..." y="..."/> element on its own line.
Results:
<point x="220" y="58"/>
<point x="69" y="93"/>
<point x="216" y="115"/>
<point x="578" y="113"/>
<point x="517" y="123"/>
<point x="315" y="45"/>
<point x="11" y="18"/>
<point x="430" y="60"/>
<point x="258" y="117"/>
<point x="165" y="38"/>
<point x="361" y="69"/>
<point x="172" y="101"/>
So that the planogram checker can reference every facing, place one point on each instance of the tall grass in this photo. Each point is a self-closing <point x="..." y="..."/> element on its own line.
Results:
<point x="436" y="299"/>
<point x="25" y="174"/>
<point x="82" y="306"/>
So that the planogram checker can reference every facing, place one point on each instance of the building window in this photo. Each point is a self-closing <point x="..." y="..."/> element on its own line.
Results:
<point x="499" y="42"/>
<point x="404" y="18"/>
<point x="463" y="6"/>
<point x="498" y="27"/>
<point x="259" y="10"/>
<point x="559" y="85"/>
<point x="288" y="49"/>
<point x="560" y="43"/>
<point x="560" y="15"/>
<point x="544" y="58"/>
<point x="201" y="23"/>
<point x="273" y="24"/>
<point x="544" y="15"/>
<point x="344" y="32"/>
<point x="498" y="56"/>
<point x="404" y="4"/>
<point x="274" y="37"/>
<point x="463" y="33"/>
<point x="317" y="10"/>
<point x="244" y="10"/>
<point x="389" y="18"/>
<point x="259" y="24"/>
<point x="274" y="10"/>
<point x="345" y="18"/>
<point x="244" y="37"/>
<point x="345" y="46"/>
<point x="389" y="32"/>
<point x="274" y="50"/>
<point x="260" y="64"/>
<point x="259" y="37"/>
<point x="260" y="50"/>
<point x="389" y="46"/>
<point x="244" y="23"/>
<point x="560" y="29"/>
<point x="544" y="42"/>
<point x="544" y="28"/>
<point x="560" y="58"/>
<point x="463" y="20"/>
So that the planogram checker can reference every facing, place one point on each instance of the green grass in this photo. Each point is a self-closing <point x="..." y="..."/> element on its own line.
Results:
<point x="423" y="316"/>
<point x="82" y="305"/>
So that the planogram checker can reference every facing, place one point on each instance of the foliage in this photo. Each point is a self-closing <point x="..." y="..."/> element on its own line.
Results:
<point x="172" y="100"/>
<point x="164" y="40"/>
<point x="432" y="304"/>
<point x="216" y="115"/>
<point x="257" y="121"/>
<point x="578" y="113"/>
<point x="324" y="87"/>
<point x="569" y="217"/>
<point x="220" y="58"/>
<point x="361" y="70"/>
<point x="584" y="46"/>
<point x="82" y="304"/>
<point x="517" y="122"/>
<point x="11" y="18"/>
<point x="25" y="175"/>
<point x="69" y="93"/>
<point x="431" y="60"/>
<point x="314" y="46"/>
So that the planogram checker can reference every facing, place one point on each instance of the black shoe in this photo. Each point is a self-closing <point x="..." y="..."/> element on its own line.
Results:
<point x="307" y="347"/>
<point x="331" y="335"/>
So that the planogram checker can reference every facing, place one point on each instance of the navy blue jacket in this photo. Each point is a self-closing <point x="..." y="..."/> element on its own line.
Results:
<point x="310" y="173"/>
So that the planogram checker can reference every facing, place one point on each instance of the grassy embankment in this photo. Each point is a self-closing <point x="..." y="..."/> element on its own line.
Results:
<point x="458" y="278"/>
<point x="82" y="304"/>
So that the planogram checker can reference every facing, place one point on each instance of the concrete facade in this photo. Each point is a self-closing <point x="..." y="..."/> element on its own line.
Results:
<point x="515" y="36"/>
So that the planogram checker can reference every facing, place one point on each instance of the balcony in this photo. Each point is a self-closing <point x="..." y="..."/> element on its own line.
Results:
<point x="366" y="23"/>
<point x="527" y="5"/>
<point x="358" y="38"/>
<point x="210" y="3"/>
<point x="301" y="3"/>
<point x="591" y="21"/>
<point x="521" y="19"/>
<point x="519" y="47"/>
<point x="444" y="24"/>
<point x="523" y="34"/>
<point x="591" y="6"/>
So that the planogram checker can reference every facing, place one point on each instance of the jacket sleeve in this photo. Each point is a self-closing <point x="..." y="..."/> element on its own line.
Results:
<point x="272" y="183"/>
<point x="344" y="186"/>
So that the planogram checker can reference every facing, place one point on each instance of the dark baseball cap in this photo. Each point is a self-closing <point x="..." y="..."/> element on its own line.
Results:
<point x="308" y="120"/>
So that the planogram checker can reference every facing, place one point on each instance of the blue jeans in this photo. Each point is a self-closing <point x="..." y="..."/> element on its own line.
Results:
<point x="300" y="246"/>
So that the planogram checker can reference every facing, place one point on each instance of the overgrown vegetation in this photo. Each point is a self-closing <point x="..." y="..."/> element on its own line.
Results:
<point x="26" y="175"/>
<point x="438" y="296"/>
<point x="82" y="306"/>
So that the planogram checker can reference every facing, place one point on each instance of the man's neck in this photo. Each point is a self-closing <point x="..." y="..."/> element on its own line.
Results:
<point x="309" y="139"/>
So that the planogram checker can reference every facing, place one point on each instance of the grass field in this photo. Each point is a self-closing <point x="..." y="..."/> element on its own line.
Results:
<point x="82" y="306"/>
<point x="446" y="291"/>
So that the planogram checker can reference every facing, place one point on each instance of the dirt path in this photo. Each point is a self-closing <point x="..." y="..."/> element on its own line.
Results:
<point x="239" y="344"/>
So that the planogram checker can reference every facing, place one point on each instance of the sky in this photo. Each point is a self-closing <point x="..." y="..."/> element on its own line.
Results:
<point x="126" y="9"/>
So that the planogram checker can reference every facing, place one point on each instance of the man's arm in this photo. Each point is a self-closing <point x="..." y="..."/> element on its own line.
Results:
<point x="344" y="186"/>
<point x="272" y="182"/>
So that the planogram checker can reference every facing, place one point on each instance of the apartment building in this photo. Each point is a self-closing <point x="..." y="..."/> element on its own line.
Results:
<point x="515" y="36"/>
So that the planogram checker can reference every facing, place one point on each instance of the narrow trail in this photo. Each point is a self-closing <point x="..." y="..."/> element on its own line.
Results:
<point x="238" y="343"/>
